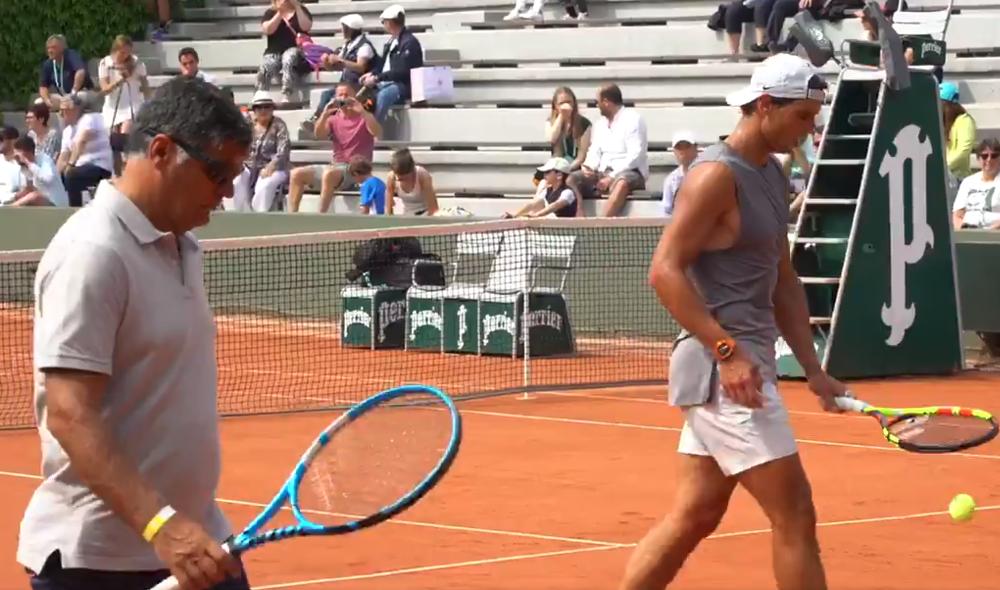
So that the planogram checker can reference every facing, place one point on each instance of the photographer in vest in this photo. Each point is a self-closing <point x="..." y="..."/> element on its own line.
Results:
<point x="356" y="58"/>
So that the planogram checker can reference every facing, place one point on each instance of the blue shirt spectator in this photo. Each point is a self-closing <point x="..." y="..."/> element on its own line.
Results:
<point x="372" y="188"/>
<point x="63" y="73"/>
<point x="373" y="195"/>
<point x="685" y="152"/>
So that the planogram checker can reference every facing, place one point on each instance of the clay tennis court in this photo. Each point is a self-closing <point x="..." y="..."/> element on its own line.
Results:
<point x="550" y="492"/>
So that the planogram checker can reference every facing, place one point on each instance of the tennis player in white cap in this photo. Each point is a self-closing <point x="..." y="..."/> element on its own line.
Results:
<point x="722" y="269"/>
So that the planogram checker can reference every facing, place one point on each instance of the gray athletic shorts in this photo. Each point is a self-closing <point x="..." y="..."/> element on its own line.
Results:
<point x="588" y="186"/>
<point x="738" y="437"/>
<point x="346" y="182"/>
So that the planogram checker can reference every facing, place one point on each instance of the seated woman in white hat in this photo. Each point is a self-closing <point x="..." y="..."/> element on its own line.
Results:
<point x="266" y="168"/>
<point x="553" y="198"/>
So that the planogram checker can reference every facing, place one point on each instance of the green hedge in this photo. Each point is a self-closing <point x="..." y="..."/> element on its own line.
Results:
<point x="89" y="27"/>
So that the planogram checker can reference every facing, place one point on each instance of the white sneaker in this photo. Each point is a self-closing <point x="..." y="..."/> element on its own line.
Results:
<point x="532" y="15"/>
<point x="512" y="15"/>
<point x="581" y="16"/>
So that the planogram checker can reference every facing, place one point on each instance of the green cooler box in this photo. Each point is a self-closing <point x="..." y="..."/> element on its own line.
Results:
<point x="498" y="330"/>
<point x="373" y="317"/>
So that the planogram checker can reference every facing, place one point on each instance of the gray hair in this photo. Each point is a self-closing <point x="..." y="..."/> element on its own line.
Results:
<point x="57" y="37"/>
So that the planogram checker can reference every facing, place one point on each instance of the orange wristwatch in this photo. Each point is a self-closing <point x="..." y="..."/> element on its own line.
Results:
<point x="724" y="349"/>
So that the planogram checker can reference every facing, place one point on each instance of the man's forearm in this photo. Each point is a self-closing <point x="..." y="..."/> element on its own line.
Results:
<point x="78" y="79"/>
<point x="792" y="316"/>
<point x="99" y="463"/>
<point x="679" y="296"/>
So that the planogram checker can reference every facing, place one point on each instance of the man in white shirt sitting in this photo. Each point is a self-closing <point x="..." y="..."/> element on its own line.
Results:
<point x="40" y="182"/>
<point x="685" y="151"/>
<point x="86" y="157"/>
<point x="616" y="162"/>
<point x="977" y="204"/>
<point x="10" y="173"/>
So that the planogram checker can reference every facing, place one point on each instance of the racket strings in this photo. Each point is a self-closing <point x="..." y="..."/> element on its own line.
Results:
<point x="373" y="461"/>
<point x="941" y="430"/>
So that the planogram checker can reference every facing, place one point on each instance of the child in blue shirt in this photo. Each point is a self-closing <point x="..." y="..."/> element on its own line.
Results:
<point x="372" y="187"/>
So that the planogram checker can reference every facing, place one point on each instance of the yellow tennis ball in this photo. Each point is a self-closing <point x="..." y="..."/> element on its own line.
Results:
<point x="962" y="507"/>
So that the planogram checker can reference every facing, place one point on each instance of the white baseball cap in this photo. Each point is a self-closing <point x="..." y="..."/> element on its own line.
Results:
<point x="392" y="11"/>
<point x="782" y="76"/>
<point x="557" y="164"/>
<point x="683" y="136"/>
<point x="353" y="21"/>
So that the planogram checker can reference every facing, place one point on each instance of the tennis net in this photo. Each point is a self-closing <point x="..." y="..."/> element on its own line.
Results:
<point x="488" y="308"/>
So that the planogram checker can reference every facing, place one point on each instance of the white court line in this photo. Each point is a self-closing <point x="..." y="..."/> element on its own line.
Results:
<point x="825" y="443"/>
<point x="399" y="521"/>
<point x="462" y="564"/>
<point x="662" y="402"/>
<point x="430" y="568"/>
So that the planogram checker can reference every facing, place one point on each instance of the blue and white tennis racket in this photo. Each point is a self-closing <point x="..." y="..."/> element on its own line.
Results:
<point x="374" y="461"/>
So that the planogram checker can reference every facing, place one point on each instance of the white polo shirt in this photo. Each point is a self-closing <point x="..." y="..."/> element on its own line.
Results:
<point x="619" y="145"/>
<point x="116" y="296"/>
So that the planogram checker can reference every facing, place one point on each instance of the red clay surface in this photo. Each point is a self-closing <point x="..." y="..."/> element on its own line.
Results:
<point x="545" y="492"/>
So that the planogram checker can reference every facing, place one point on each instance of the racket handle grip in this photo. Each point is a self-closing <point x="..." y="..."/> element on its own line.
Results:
<point x="850" y="404"/>
<point x="172" y="583"/>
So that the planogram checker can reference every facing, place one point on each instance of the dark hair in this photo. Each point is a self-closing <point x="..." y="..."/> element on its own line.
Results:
<point x="990" y="143"/>
<point x="9" y="133"/>
<point x="402" y="162"/>
<point x="612" y="93"/>
<point x="815" y="83"/>
<point x="25" y="144"/>
<point x="188" y="51"/>
<point x="359" y="166"/>
<point x="41" y="112"/>
<point x="348" y="84"/>
<point x="194" y="112"/>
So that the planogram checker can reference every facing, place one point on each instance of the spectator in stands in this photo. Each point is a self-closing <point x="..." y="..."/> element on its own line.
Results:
<point x="372" y="188"/>
<point x="567" y="130"/>
<point x="266" y="167"/>
<point x="959" y="129"/>
<point x="281" y="24"/>
<point x="685" y="150"/>
<point x="616" y="163"/>
<point x="86" y="157"/>
<point x="162" y="10"/>
<point x="402" y="53"/>
<point x="977" y="204"/>
<point x="125" y="86"/>
<point x="47" y="140"/>
<point x="353" y="131"/>
<point x="190" y="63"/>
<point x="355" y="58"/>
<point x="40" y="181"/>
<point x="553" y="198"/>
<point x="10" y="172"/>
<point x="412" y="184"/>
<point x="739" y="12"/>
<point x="63" y="73"/>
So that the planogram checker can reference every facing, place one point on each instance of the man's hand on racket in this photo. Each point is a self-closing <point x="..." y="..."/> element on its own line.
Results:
<point x="196" y="559"/>
<point x="740" y="379"/>
<point x="826" y="389"/>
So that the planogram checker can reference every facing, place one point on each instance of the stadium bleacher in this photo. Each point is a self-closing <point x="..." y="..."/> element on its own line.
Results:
<point x="482" y="148"/>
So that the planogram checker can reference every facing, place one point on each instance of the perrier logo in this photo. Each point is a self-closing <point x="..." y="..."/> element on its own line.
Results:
<point x="897" y="313"/>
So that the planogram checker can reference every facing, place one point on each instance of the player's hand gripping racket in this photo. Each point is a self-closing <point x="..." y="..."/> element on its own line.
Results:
<point x="931" y="429"/>
<point x="374" y="461"/>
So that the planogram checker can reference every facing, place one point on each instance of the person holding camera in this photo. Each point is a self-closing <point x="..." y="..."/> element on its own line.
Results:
<point x="352" y="130"/>
<point x="125" y="87"/>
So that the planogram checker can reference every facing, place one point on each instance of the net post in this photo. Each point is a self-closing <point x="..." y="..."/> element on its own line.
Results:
<point x="525" y="333"/>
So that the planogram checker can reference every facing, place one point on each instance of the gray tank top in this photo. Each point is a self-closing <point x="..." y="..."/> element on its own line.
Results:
<point x="737" y="284"/>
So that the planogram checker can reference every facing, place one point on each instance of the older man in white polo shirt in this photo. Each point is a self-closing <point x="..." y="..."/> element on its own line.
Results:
<point x="125" y="365"/>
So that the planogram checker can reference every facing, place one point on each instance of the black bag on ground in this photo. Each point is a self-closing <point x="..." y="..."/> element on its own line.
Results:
<point x="390" y="261"/>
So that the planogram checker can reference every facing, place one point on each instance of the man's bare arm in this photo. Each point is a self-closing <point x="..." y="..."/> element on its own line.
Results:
<point x="74" y="418"/>
<point x="791" y="313"/>
<point x="707" y="193"/>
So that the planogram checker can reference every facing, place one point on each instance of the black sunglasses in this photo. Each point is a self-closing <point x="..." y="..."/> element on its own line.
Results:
<point x="989" y="156"/>
<point x="216" y="170"/>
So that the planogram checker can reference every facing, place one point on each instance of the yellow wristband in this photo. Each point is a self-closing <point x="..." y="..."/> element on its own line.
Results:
<point x="156" y="523"/>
